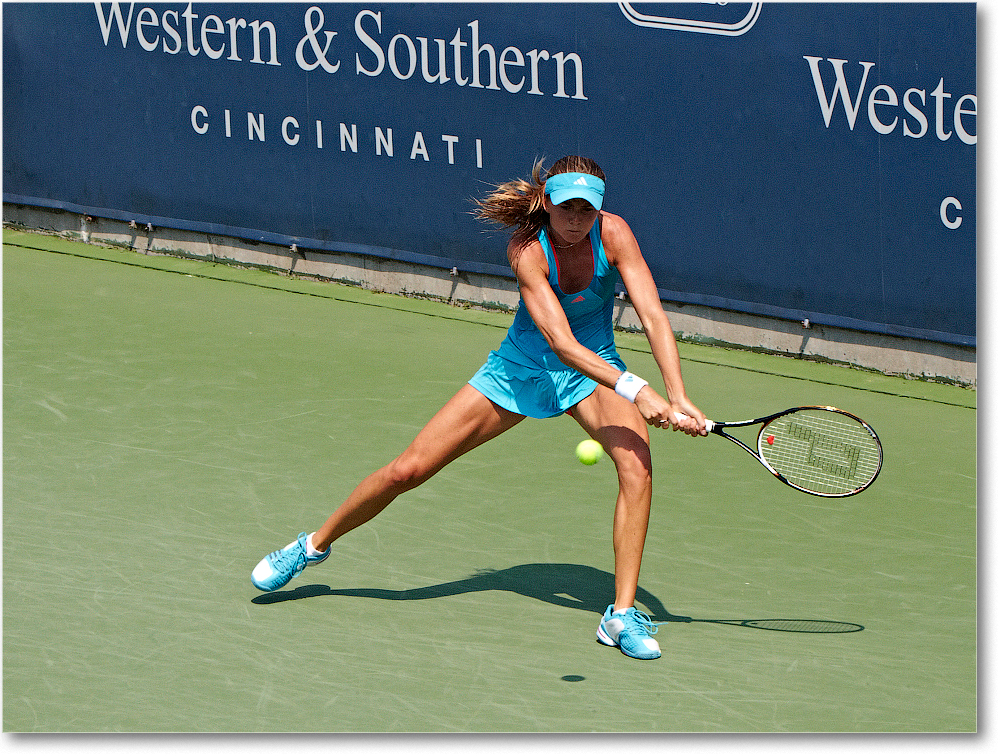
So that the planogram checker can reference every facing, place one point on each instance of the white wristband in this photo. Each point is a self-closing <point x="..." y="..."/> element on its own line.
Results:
<point x="629" y="385"/>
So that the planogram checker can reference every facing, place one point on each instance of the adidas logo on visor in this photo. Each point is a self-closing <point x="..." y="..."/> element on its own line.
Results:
<point x="581" y="182"/>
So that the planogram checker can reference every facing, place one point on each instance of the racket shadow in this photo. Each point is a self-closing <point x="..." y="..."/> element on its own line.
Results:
<point x="573" y="586"/>
<point x="782" y="625"/>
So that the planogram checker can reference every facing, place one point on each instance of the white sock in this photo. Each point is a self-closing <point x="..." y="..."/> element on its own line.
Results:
<point x="310" y="549"/>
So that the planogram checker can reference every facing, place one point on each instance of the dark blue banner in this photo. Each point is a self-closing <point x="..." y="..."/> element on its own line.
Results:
<point x="797" y="160"/>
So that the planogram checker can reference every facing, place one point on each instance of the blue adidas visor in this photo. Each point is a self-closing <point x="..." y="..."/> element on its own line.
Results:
<point x="565" y="186"/>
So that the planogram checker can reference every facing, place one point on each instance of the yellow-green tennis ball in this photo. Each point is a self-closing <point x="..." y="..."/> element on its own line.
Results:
<point x="589" y="452"/>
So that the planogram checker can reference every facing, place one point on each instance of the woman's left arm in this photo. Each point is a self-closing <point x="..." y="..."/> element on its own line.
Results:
<point x="623" y="252"/>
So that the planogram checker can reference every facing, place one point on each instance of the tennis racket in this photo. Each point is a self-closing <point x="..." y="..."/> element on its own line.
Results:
<point x="822" y="451"/>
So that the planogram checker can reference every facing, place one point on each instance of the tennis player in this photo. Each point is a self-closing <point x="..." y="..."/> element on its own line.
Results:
<point x="558" y="358"/>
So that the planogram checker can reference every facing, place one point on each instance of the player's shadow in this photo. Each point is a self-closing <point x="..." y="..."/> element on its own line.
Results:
<point x="569" y="585"/>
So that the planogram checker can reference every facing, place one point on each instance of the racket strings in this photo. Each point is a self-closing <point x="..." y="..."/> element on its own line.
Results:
<point x="821" y="451"/>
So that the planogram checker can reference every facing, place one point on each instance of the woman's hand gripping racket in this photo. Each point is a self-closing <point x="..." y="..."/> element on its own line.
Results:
<point x="823" y="451"/>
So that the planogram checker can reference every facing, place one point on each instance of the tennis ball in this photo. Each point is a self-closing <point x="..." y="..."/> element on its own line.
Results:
<point x="589" y="451"/>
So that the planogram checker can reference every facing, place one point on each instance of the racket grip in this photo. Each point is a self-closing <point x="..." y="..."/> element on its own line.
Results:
<point x="708" y="423"/>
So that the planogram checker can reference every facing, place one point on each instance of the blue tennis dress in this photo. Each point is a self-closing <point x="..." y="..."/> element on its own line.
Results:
<point x="524" y="375"/>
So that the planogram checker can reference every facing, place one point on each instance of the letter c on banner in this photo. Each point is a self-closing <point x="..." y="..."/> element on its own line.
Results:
<point x="945" y="219"/>
<point x="291" y="139"/>
<point x="199" y="112"/>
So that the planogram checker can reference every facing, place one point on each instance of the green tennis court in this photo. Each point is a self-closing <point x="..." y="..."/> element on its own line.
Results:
<point x="167" y="422"/>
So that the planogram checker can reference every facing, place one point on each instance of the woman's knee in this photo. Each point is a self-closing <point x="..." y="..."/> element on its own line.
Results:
<point x="406" y="472"/>
<point x="635" y="465"/>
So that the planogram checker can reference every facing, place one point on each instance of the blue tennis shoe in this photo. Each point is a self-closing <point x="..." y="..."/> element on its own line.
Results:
<point x="277" y="568"/>
<point x="630" y="631"/>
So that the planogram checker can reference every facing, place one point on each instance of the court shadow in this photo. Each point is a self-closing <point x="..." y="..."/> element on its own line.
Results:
<point x="569" y="585"/>
<point x="574" y="586"/>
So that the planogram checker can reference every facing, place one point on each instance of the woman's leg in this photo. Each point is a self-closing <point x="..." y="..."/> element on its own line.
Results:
<point x="616" y="424"/>
<point x="466" y="421"/>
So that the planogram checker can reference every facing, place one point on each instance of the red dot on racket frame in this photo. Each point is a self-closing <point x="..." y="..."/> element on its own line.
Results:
<point x="770" y="440"/>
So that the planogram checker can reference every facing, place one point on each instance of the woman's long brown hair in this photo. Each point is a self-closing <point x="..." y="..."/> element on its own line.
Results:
<point x="518" y="204"/>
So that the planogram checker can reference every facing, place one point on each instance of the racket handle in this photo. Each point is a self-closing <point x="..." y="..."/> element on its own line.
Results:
<point x="708" y="423"/>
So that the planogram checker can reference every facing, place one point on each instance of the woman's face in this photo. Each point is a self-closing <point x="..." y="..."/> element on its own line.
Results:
<point x="571" y="220"/>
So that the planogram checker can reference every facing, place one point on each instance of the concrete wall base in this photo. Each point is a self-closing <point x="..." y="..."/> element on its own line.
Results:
<point x="912" y="358"/>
